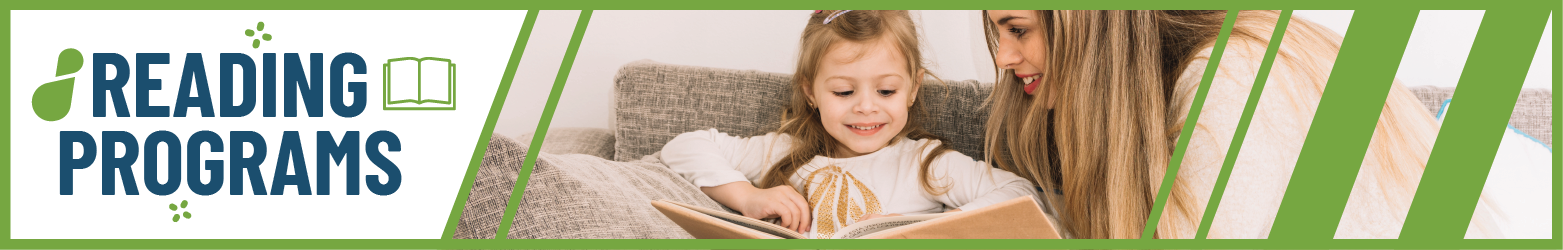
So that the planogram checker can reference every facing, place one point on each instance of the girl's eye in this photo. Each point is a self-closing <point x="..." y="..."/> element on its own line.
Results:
<point x="842" y="93"/>
<point x="886" y="92"/>
<point x="1017" y="31"/>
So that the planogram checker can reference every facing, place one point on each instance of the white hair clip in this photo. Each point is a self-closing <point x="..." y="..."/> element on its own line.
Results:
<point x="833" y="16"/>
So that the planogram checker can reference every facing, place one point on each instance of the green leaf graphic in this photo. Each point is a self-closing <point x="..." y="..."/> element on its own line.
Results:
<point x="187" y="214"/>
<point x="69" y="62"/>
<point x="184" y="203"/>
<point x="176" y="217"/>
<point x="51" y="101"/>
<point x="171" y="207"/>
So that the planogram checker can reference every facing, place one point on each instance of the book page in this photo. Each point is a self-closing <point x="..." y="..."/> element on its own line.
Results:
<point x="863" y="228"/>
<point x="740" y="220"/>
<point x="402" y="81"/>
<point x="436" y="81"/>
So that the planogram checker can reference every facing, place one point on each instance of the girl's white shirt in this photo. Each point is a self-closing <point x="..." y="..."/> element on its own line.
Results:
<point x="889" y="177"/>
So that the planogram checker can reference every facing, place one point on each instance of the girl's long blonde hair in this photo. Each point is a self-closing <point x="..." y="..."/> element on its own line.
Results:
<point x="802" y="121"/>
<point x="1100" y="152"/>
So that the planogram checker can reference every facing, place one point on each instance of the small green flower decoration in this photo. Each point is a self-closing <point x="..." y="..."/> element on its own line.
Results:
<point x="175" y="208"/>
<point x="259" y="26"/>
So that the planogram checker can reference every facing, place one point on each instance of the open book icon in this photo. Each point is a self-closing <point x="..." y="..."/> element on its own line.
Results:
<point x="413" y="83"/>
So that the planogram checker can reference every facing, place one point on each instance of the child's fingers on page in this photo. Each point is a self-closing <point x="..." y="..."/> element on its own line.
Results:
<point x="789" y="218"/>
<point x="804" y="212"/>
<point x="800" y="217"/>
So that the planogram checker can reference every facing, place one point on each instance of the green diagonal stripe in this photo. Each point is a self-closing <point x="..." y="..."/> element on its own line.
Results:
<point x="488" y="128"/>
<point x="542" y="126"/>
<point x="1343" y="124"/>
<point x="1242" y="123"/>
<point x="1557" y="158"/>
<point x="1468" y="139"/>
<point x="1188" y="125"/>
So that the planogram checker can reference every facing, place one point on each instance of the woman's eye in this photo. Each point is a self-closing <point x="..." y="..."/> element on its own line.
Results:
<point x="1017" y="31"/>
<point x="886" y="92"/>
<point x="842" y="93"/>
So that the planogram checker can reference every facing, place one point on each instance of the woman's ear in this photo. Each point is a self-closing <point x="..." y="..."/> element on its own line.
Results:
<point x="917" y="84"/>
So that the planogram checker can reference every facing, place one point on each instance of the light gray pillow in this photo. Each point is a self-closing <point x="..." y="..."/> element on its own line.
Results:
<point x="491" y="188"/>
<point x="575" y="196"/>
<point x="579" y="196"/>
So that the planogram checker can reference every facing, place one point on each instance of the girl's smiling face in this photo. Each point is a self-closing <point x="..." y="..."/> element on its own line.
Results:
<point x="863" y="92"/>
<point x="1021" y="46"/>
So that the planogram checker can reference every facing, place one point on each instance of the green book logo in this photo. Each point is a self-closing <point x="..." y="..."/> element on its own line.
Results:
<point x="413" y="83"/>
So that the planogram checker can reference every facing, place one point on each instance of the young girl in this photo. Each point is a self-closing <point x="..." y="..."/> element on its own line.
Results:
<point x="849" y="147"/>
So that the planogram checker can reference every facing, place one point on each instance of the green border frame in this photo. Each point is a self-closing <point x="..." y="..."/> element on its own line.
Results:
<point x="1555" y="243"/>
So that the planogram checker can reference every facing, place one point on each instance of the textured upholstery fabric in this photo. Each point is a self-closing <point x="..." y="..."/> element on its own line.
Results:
<point x="491" y="189"/>
<point x="587" y="197"/>
<point x="572" y="196"/>
<point x="655" y="102"/>
<point x="588" y="141"/>
<point x="1532" y="112"/>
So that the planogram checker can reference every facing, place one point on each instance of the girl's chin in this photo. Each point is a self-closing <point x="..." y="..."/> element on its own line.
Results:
<point x="858" y="150"/>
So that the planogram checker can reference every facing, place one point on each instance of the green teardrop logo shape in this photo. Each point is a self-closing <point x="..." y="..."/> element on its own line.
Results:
<point x="69" y="62"/>
<point x="53" y="100"/>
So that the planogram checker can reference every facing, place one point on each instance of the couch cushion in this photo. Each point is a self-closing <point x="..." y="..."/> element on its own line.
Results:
<point x="579" y="196"/>
<point x="575" y="196"/>
<point x="656" y="101"/>
<point x="588" y="141"/>
<point x="491" y="189"/>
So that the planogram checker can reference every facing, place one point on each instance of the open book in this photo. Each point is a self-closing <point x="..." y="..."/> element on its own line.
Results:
<point x="1018" y="218"/>
<point x="427" y="83"/>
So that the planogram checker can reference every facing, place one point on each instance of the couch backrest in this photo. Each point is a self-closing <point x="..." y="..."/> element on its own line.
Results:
<point x="1532" y="111"/>
<point x="655" y="102"/>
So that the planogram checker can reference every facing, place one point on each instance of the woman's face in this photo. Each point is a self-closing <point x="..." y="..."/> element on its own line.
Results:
<point x="1021" y="46"/>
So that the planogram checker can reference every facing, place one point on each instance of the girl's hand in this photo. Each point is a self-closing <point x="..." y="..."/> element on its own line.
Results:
<point x="781" y="201"/>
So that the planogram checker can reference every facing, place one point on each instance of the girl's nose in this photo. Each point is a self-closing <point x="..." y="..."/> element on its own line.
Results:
<point x="865" y="105"/>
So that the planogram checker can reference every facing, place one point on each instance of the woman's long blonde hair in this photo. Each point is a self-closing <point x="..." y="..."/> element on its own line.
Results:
<point x="1111" y="74"/>
<point x="802" y="121"/>
<point x="1118" y="196"/>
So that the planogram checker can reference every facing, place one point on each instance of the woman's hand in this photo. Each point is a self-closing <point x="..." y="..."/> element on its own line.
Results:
<point x="781" y="201"/>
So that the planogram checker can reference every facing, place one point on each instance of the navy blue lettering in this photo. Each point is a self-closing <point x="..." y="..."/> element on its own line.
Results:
<point x="296" y="84"/>
<point x="241" y="165"/>
<point x="122" y="164"/>
<point x="194" y="74"/>
<point x="215" y="167"/>
<point x="292" y="152"/>
<point x="103" y="88"/>
<point x="145" y="85"/>
<point x="150" y="166"/>
<point x="393" y="174"/>
<point x="69" y="165"/>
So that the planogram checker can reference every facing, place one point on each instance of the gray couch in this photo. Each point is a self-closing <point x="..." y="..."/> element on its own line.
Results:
<point x="596" y="183"/>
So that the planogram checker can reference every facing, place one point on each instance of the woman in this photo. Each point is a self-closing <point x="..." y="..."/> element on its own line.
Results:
<point x="1089" y="105"/>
